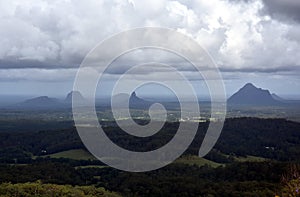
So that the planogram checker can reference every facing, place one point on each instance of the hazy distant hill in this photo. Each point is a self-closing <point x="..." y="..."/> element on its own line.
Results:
<point x="42" y="102"/>
<point x="45" y="102"/>
<point x="134" y="101"/>
<point x="76" y="95"/>
<point x="251" y="95"/>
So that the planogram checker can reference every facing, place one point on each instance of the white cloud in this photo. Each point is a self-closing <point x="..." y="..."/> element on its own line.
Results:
<point x="58" y="34"/>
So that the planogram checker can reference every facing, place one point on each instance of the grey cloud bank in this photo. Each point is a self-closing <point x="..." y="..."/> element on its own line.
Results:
<point x="288" y="10"/>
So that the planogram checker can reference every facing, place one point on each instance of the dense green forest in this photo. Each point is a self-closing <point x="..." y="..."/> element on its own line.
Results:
<point x="276" y="139"/>
<point x="235" y="179"/>
<point x="25" y="159"/>
<point x="49" y="190"/>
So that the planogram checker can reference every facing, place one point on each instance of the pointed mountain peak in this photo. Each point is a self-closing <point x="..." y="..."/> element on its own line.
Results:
<point x="252" y="95"/>
<point x="249" y="87"/>
<point x="133" y="94"/>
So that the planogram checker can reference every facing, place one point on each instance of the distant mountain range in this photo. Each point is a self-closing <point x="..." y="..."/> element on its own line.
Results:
<point x="45" y="102"/>
<point x="247" y="95"/>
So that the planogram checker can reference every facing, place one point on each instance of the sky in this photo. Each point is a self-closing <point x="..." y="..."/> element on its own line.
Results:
<point x="42" y="43"/>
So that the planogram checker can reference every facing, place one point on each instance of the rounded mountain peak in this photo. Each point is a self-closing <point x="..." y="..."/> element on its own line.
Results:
<point x="74" y="94"/>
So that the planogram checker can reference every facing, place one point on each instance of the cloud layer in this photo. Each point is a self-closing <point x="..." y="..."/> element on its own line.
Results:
<point x="47" y="38"/>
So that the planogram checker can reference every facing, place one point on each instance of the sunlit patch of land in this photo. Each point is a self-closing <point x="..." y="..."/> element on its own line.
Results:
<point x="250" y="158"/>
<point x="77" y="154"/>
<point x="195" y="160"/>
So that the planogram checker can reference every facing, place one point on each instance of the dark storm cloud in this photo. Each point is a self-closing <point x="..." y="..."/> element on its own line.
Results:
<point x="283" y="9"/>
<point x="19" y="63"/>
<point x="15" y="63"/>
<point x="281" y="69"/>
<point x="286" y="10"/>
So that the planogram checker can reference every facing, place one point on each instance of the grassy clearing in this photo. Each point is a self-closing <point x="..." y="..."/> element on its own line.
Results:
<point x="91" y="166"/>
<point x="250" y="158"/>
<point x="77" y="154"/>
<point x="80" y="154"/>
<point x="195" y="160"/>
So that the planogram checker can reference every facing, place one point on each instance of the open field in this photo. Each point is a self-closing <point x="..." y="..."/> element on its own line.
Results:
<point x="250" y="158"/>
<point x="195" y="160"/>
<point x="77" y="154"/>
